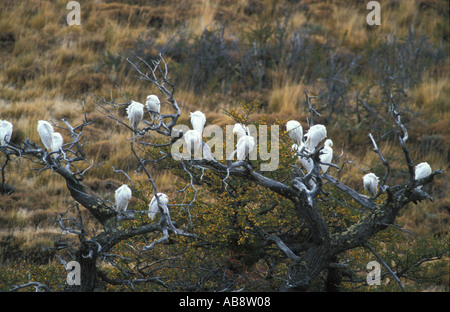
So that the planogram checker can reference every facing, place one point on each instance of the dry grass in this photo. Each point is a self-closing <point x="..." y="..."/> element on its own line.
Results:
<point x="47" y="67"/>
<point x="287" y="98"/>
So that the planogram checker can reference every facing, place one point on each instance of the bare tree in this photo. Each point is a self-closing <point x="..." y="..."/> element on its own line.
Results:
<point x="319" y="253"/>
<point x="324" y="246"/>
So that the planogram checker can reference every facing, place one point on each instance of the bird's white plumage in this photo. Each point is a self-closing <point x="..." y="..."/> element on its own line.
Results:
<point x="240" y="130"/>
<point x="422" y="170"/>
<point x="193" y="141"/>
<point x="315" y="135"/>
<point x="6" y="130"/>
<point x="153" y="208"/>
<point x="207" y="154"/>
<point x="123" y="196"/>
<point x="154" y="105"/>
<point x="244" y="146"/>
<point x="45" y="130"/>
<point x="307" y="162"/>
<point x="57" y="141"/>
<point x="327" y="155"/>
<point x="198" y="121"/>
<point x="295" y="131"/>
<point x="135" y="112"/>
<point x="370" y="182"/>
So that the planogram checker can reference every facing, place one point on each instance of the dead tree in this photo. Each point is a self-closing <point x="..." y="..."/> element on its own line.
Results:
<point x="302" y="190"/>
<point x="324" y="246"/>
<point x="72" y="165"/>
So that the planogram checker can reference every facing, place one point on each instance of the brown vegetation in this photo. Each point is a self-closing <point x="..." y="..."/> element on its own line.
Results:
<point x="47" y="68"/>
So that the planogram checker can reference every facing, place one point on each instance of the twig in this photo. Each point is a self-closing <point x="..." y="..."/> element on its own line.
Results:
<point x="386" y="266"/>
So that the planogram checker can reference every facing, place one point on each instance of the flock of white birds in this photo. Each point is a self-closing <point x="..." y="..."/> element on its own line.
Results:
<point x="317" y="134"/>
<point x="135" y="110"/>
<point x="304" y="144"/>
<point x="192" y="138"/>
<point x="52" y="140"/>
<point x="314" y="136"/>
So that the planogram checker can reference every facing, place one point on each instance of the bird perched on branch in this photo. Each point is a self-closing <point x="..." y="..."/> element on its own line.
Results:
<point x="6" y="129"/>
<point x="154" y="106"/>
<point x="314" y="136"/>
<point x="153" y="207"/>
<point x="295" y="131"/>
<point x="135" y="112"/>
<point x="193" y="141"/>
<point x="240" y="130"/>
<point x="45" y="130"/>
<point x="307" y="162"/>
<point x="327" y="155"/>
<point x="422" y="170"/>
<point x="198" y="121"/>
<point x="123" y="196"/>
<point x="57" y="141"/>
<point x="370" y="182"/>
<point x="244" y="146"/>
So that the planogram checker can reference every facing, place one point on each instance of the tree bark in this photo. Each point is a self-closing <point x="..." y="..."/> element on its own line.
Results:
<point x="303" y="272"/>
<point x="334" y="277"/>
<point x="88" y="272"/>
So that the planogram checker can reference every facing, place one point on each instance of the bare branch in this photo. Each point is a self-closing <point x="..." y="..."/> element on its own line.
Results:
<point x="38" y="286"/>
<point x="386" y="266"/>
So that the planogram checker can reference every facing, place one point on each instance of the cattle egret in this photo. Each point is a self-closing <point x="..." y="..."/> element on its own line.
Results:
<point x="154" y="106"/>
<point x="57" y="141"/>
<point x="193" y="141"/>
<point x="198" y="120"/>
<point x="295" y="131"/>
<point x="240" y="130"/>
<point x="314" y="136"/>
<point x="207" y="154"/>
<point x="307" y="162"/>
<point x="135" y="112"/>
<point x="123" y="196"/>
<point x="327" y="155"/>
<point x="6" y="129"/>
<point x="370" y="181"/>
<point x="153" y="208"/>
<point x="422" y="170"/>
<point x="45" y="130"/>
<point x="244" y="146"/>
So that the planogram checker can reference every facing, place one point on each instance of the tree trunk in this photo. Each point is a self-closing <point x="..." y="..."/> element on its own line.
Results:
<point x="88" y="274"/>
<point x="334" y="277"/>
<point x="87" y="271"/>
<point x="304" y="271"/>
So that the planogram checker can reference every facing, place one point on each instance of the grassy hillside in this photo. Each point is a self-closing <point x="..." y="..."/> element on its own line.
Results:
<point x="220" y="53"/>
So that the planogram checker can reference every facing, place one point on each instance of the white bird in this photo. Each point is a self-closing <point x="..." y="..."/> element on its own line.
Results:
<point x="6" y="129"/>
<point x="207" y="154"/>
<point x="244" y="146"/>
<point x="240" y="130"/>
<point x="314" y="136"/>
<point x="370" y="182"/>
<point x="57" y="141"/>
<point x="193" y="141"/>
<point x="45" y="130"/>
<point x="135" y="112"/>
<point x="154" y="105"/>
<point x="198" y="121"/>
<point x="153" y="208"/>
<point x="307" y="162"/>
<point x="327" y="155"/>
<point x="295" y="131"/>
<point x="123" y="196"/>
<point x="422" y="170"/>
<point x="295" y="148"/>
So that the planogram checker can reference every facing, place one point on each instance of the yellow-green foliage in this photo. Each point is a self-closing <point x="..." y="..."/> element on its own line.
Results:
<point x="48" y="67"/>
